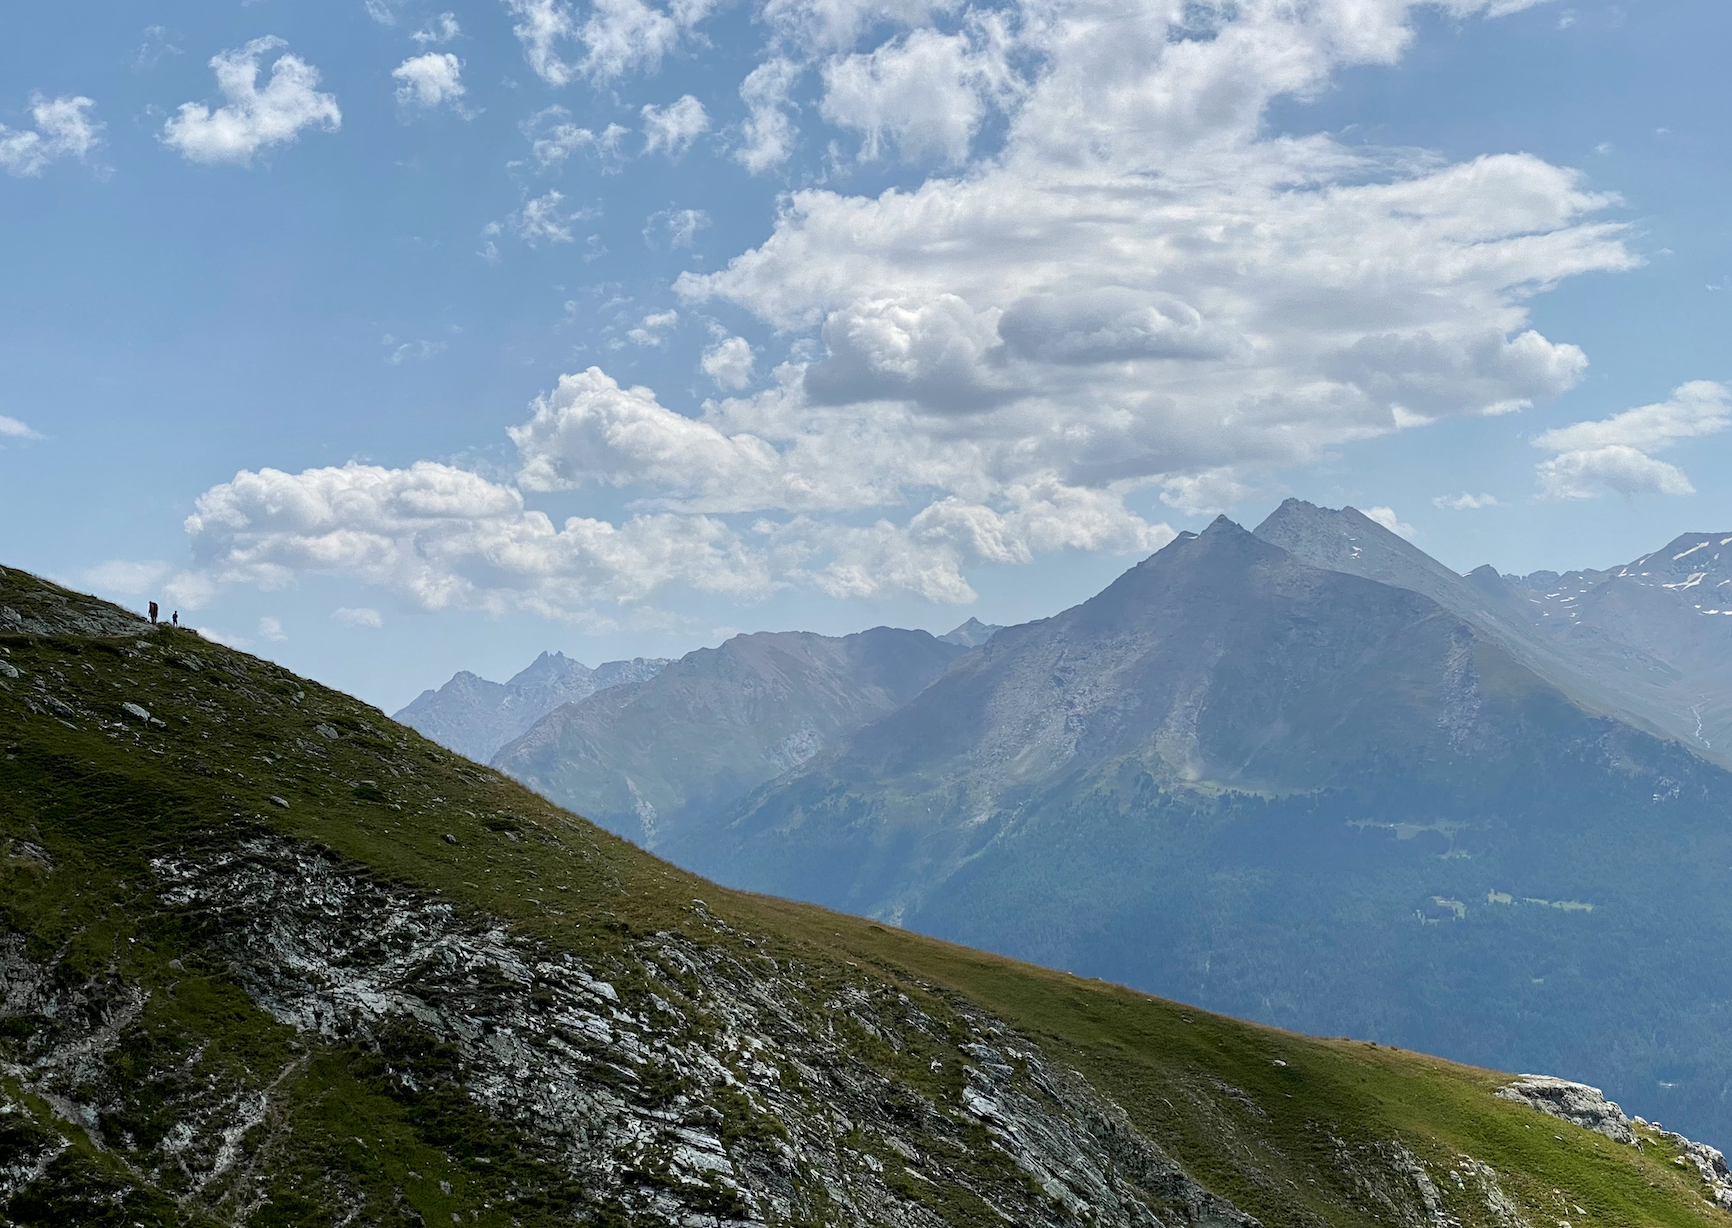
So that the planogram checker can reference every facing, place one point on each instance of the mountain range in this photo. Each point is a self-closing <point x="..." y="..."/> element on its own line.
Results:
<point x="650" y="759"/>
<point x="475" y="717"/>
<point x="268" y="958"/>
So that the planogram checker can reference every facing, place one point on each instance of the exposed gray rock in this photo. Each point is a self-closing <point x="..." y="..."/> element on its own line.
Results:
<point x="1572" y="1102"/>
<point x="137" y="713"/>
<point x="549" y="1045"/>
<point x="1588" y="1107"/>
<point x="1711" y="1164"/>
<point x="50" y="612"/>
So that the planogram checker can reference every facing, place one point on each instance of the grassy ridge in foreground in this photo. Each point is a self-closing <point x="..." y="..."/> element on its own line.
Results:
<point x="1292" y="1130"/>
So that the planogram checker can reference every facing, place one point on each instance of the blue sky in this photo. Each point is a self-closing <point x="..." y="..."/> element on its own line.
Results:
<point x="447" y="332"/>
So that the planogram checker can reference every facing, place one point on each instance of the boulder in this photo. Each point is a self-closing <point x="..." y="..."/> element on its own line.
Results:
<point x="1576" y="1103"/>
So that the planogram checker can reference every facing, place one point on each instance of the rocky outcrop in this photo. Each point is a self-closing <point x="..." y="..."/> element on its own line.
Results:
<point x="728" y="1078"/>
<point x="1576" y="1103"/>
<point x="64" y="613"/>
<point x="1588" y="1107"/>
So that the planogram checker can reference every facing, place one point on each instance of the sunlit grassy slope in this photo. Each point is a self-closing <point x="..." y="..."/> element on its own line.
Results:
<point x="1291" y="1129"/>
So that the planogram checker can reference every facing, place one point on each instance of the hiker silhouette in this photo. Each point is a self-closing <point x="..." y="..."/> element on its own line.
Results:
<point x="153" y="611"/>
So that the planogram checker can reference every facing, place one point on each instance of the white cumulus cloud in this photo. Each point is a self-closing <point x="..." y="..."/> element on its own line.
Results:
<point x="1386" y="517"/>
<point x="1614" y="455"/>
<point x="767" y="136"/>
<point x="729" y="363"/>
<point x="615" y="37"/>
<point x="553" y="138"/>
<point x="443" y="537"/>
<point x="673" y="128"/>
<point x="63" y="128"/>
<point x="1122" y="290"/>
<point x="430" y="80"/>
<point x="654" y="328"/>
<point x="271" y="629"/>
<point x="440" y="29"/>
<point x="678" y="226"/>
<point x="1138" y="285"/>
<point x="252" y="119"/>
<point x="926" y="93"/>
<point x="540" y="220"/>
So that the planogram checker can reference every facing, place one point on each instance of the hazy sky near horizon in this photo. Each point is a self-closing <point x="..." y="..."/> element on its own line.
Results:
<point x="390" y="338"/>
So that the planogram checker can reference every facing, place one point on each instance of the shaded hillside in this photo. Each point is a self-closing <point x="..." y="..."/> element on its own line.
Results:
<point x="1299" y="796"/>
<point x="1645" y="643"/>
<point x="651" y="759"/>
<point x="268" y="958"/>
<point x="475" y="717"/>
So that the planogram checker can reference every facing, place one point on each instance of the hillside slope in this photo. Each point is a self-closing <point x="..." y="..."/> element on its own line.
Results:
<point x="653" y="759"/>
<point x="1294" y="795"/>
<point x="268" y="958"/>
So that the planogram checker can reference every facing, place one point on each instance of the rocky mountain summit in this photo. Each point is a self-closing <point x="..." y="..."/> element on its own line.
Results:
<point x="475" y="717"/>
<point x="268" y="958"/>
<point x="971" y="634"/>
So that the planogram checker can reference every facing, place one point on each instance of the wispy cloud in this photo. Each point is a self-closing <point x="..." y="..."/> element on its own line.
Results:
<point x="64" y="129"/>
<point x="1464" y="502"/>
<point x="357" y="616"/>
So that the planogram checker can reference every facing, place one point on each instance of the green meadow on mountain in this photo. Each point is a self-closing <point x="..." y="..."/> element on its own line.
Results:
<point x="270" y="958"/>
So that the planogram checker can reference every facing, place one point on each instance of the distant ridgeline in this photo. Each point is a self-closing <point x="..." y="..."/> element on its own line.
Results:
<point x="1307" y="775"/>
<point x="268" y="958"/>
<point x="475" y="717"/>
